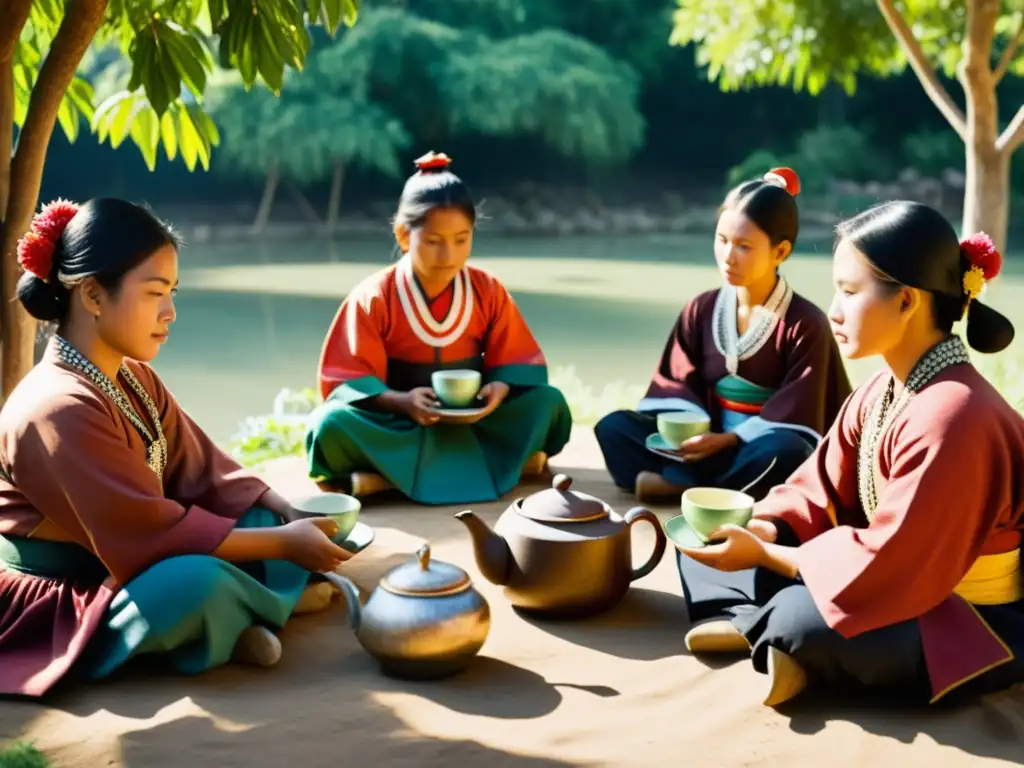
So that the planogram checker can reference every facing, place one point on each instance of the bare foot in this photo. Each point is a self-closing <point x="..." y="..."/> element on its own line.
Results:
<point x="367" y="483"/>
<point x="257" y="645"/>
<point x="651" y="486"/>
<point x="786" y="678"/>
<point x="717" y="636"/>
<point x="315" y="597"/>
<point x="536" y="465"/>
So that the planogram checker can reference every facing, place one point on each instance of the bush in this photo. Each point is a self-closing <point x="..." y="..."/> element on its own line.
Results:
<point x="22" y="755"/>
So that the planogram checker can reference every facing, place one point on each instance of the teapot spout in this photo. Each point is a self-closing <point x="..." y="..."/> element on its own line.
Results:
<point x="351" y="593"/>
<point x="491" y="551"/>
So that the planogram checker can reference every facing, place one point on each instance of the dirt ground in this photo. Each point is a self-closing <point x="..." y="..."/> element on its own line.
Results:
<point x="618" y="690"/>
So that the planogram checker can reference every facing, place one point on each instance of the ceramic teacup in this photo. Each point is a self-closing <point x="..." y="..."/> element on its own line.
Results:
<point x="456" y="388"/>
<point x="708" y="509"/>
<point x="339" y="507"/>
<point x="677" y="427"/>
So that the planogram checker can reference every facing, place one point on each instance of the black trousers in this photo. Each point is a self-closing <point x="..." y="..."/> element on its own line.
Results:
<point x="621" y="436"/>
<point x="773" y="611"/>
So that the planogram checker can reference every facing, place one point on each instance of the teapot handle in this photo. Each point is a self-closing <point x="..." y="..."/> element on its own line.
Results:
<point x="635" y="515"/>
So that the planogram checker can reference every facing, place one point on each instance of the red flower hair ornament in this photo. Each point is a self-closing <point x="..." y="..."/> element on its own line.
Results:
<point x="785" y="178"/>
<point x="36" y="247"/>
<point x="433" y="161"/>
<point x="986" y="262"/>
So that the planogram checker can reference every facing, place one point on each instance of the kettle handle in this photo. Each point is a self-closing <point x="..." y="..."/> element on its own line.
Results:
<point x="635" y="515"/>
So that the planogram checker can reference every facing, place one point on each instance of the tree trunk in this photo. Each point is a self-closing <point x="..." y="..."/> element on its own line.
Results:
<point x="303" y="202"/>
<point x="334" y="201"/>
<point x="12" y="20"/>
<point x="987" y="194"/>
<point x="267" y="203"/>
<point x="987" y="188"/>
<point x="81" y="21"/>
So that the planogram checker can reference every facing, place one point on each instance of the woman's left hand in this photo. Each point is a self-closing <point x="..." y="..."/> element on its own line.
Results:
<point x="735" y="549"/>
<point x="494" y="393"/>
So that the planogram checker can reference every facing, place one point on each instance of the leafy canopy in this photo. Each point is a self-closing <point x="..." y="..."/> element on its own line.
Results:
<point x="807" y="44"/>
<point x="170" y="45"/>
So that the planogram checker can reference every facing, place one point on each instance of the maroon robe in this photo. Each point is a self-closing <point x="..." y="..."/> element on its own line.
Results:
<point x="73" y="468"/>
<point x="949" y="490"/>
<point x="788" y="347"/>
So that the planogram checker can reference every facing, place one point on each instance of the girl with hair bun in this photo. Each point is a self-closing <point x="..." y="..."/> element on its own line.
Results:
<point x="892" y="559"/>
<point x="753" y="358"/>
<point x="124" y="530"/>
<point x="382" y="426"/>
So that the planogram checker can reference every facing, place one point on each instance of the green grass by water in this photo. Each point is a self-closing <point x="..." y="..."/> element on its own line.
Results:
<point x="251" y="318"/>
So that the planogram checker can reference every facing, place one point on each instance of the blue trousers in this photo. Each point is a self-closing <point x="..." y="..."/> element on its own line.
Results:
<point x="621" y="436"/>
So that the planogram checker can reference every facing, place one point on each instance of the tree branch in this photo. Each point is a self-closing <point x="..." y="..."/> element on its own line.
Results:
<point x="923" y="69"/>
<point x="82" y="19"/>
<point x="1013" y="135"/>
<point x="13" y="15"/>
<point x="1011" y="48"/>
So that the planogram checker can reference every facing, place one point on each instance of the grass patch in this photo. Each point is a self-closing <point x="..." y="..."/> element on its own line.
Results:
<point x="20" y="754"/>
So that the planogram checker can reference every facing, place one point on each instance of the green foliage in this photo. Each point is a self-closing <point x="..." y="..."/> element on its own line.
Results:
<point x="819" y="155"/>
<point x="806" y="44"/>
<point x="306" y="130"/>
<point x="932" y="152"/>
<point x="22" y="755"/>
<point x="168" y="44"/>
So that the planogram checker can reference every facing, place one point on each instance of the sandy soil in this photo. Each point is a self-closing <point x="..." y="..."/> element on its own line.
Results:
<point x="619" y="690"/>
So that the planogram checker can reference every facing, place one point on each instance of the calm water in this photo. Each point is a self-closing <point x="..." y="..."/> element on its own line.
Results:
<point x="251" y="318"/>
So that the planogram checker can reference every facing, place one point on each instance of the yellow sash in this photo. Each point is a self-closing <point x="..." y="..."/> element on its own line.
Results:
<point x="993" y="580"/>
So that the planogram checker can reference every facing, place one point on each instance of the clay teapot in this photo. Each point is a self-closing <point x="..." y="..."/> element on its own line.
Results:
<point x="560" y="552"/>
<point x="423" y="621"/>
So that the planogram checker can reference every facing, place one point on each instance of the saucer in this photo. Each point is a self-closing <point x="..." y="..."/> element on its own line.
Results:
<point x="358" y="539"/>
<point x="656" y="444"/>
<point x="460" y="415"/>
<point x="682" y="535"/>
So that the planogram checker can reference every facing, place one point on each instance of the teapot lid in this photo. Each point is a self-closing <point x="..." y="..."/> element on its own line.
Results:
<point x="558" y="504"/>
<point x="424" y="577"/>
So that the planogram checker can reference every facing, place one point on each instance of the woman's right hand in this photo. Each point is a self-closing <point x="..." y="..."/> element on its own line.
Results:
<point x="765" y="530"/>
<point x="421" y="404"/>
<point x="307" y="543"/>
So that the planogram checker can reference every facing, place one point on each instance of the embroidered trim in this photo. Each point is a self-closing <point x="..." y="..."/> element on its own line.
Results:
<point x="887" y="407"/>
<point x="156" y="446"/>
<point x="422" y="322"/>
<point x="763" y="324"/>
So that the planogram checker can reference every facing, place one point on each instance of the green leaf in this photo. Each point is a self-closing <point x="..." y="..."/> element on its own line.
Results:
<point x="168" y="135"/>
<point x="145" y="132"/>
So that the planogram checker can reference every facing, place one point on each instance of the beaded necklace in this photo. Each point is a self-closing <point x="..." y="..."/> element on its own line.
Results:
<point x="888" y="406"/>
<point x="156" y="446"/>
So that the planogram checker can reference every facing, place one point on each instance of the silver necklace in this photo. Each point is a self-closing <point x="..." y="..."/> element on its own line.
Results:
<point x="156" y="446"/>
<point x="887" y="406"/>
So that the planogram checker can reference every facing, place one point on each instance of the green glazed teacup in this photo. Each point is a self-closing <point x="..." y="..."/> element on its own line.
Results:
<point x="708" y="509"/>
<point x="339" y="507"/>
<point x="456" y="388"/>
<point x="677" y="427"/>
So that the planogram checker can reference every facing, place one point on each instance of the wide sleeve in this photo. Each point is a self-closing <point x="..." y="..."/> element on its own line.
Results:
<point x="353" y="359"/>
<point x="74" y="465"/>
<point x="941" y="501"/>
<point x="511" y="353"/>
<point x="199" y="472"/>
<point x="823" y="489"/>
<point x="814" y="382"/>
<point x="677" y="383"/>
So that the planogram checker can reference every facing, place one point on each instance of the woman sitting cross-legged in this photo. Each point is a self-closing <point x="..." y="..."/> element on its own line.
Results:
<point x="890" y="561"/>
<point x="124" y="531"/>
<point x="753" y="358"/>
<point x="380" y="426"/>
